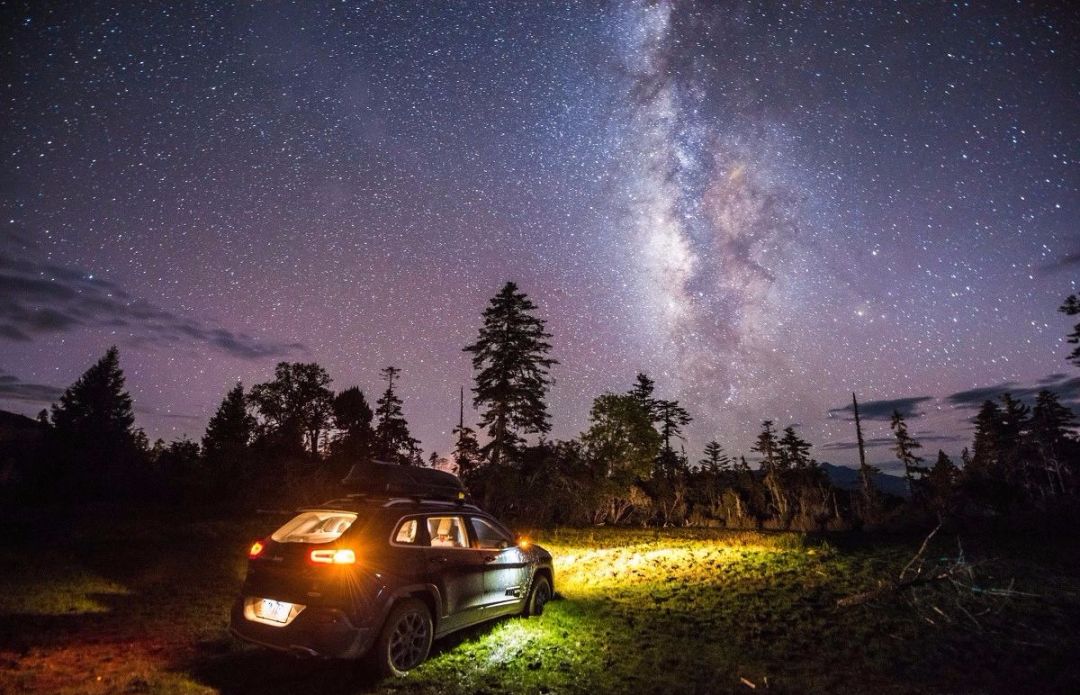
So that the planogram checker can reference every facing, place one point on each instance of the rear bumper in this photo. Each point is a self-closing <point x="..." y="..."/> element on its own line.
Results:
<point x="316" y="631"/>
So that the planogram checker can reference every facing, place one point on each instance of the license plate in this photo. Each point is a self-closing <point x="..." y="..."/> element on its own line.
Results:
<point x="269" y="609"/>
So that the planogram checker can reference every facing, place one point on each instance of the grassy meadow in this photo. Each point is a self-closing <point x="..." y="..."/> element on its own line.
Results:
<point x="140" y="606"/>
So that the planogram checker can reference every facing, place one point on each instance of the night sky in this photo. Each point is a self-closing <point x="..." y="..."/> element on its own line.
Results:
<point x="765" y="208"/>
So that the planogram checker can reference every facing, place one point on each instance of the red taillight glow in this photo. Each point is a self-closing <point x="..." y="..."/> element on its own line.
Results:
<point x="256" y="549"/>
<point x="339" y="556"/>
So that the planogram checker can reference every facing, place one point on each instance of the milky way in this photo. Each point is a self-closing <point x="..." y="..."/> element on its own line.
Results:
<point x="765" y="207"/>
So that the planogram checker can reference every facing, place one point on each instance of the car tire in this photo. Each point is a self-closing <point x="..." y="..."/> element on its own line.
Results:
<point x="405" y="639"/>
<point x="539" y="595"/>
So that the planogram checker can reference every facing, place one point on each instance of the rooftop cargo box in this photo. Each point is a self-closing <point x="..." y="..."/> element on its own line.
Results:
<point x="392" y="480"/>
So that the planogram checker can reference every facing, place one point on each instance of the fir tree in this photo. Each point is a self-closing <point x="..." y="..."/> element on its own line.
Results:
<point x="905" y="448"/>
<point x="97" y="406"/>
<point x="672" y="418"/>
<point x="94" y="439"/>
<point x="940" y="480"/>
<point x="467" y="454"/>
<point x="512" y="380"/>
<point x="643" y="393"/>
<point x="793" y="451"/>
<point x="393" y="442"/>
<point x="1071" y="307"/>
<point x="986" y="449"/>
<point x="767" y="445"/>
<point x="1051" y="426"/>
<point x="231" y="428"/>
<point x="353" y="416"/>
<point x="715" y="461"/>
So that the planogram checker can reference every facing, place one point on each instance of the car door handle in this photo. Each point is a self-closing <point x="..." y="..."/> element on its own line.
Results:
<point x="491" y="558"/>
<point x="440" y="558"/>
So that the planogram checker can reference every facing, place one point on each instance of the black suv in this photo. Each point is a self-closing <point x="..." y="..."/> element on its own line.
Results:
<point x="387" y="570"/>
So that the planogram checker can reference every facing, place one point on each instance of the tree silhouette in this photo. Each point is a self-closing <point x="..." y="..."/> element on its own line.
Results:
<point x="353" y="417"/>
<point x="297" y="405"/>
<point x="231" y="428"/>
<point x="870" y="500"/>
<point x="95" y="442"/>
<point x="393" y="441"/>
<point x="715" y="460"/>
<point x="672" y="418"/>
<point x="511" y="364"/>
<point x="1051" y="427"/>
<point x="794" y="451"/>
<point x="905" y="448"/>
<point x="1071" y="307"/>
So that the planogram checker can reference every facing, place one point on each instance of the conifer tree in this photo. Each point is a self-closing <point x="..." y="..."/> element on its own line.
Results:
<point x="93" y="430"/>
<point x="715" y="461"/>
<point x="767" y="445"/>
<point x="393" y="441"/>
<point x="643" y="393"/>
<point x="793" y="450"/>
<point x="512" y="373"/>
<point x="231" y="428"/>
<point x="941" y="479"/>
<point x="986" y="449"/>
<point x="672" y="418"/>
<point x="1052" y="425"/>
<point x="353" y="417"/>
<point x="905" y="448"/>
<point x="97" y="405"/>
<point x="773" y="462"/>
<point x="1071" y="307"/>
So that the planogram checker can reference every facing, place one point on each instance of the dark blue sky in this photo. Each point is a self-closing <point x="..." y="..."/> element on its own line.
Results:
<point x="764" y="207"/>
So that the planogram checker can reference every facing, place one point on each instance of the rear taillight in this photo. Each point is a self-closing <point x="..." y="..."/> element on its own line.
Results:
<point x="256" y="550"/>
<point x="339" y="556"/>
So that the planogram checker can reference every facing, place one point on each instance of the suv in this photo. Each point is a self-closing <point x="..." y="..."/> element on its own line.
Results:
<point x="387" y="570"/>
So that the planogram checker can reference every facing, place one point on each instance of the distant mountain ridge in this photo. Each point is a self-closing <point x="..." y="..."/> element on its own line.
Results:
<point x="848" y="479"/>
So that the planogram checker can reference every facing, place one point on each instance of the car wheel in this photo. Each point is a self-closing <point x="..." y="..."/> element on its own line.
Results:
<point x="405" y="639"/>
<point x="539" y="596"/>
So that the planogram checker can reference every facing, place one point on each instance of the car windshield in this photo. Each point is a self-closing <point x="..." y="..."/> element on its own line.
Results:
<point x="315" y="527"/>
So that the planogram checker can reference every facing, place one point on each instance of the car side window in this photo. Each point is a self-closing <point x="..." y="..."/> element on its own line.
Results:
<point x="406" y="533"/>
<point x="488" y="537"/>
<point x="447" y="532"/>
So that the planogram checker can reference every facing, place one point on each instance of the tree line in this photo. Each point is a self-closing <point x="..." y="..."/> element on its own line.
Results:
<point x="291" y="439"/>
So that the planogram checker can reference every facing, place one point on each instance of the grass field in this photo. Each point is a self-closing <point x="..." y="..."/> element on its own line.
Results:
<point x="125" y="606"/>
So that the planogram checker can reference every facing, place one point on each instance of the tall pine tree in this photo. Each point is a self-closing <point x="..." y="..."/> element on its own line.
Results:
<point x="93" y="433"/>
<point x="905" y="447"/>
<point x="231" y="428"/>
<point x="352" y="418"/>
<point x="1071" y="307"/>
<point x="393" y="442"/>
<point x="1052" y="426"/>
<point x="715" y="460"/>
<point x="512" y="374"/>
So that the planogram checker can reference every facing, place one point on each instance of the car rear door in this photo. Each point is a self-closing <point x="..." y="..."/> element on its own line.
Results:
<point x="505" y="566"/>
<point x="455" y="568"/>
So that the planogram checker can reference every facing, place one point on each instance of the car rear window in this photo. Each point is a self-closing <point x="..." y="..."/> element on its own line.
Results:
<point x="314" y="527"/>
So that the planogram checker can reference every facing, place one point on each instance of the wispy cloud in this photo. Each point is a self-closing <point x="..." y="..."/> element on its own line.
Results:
<point x="40" y="298"/>
<point x="1069" y="260"/>
<point x="1067" y="389"/>
<point x="879" y="442"/>
<point x="12" y="388"/>
<point x="883" y="410"/>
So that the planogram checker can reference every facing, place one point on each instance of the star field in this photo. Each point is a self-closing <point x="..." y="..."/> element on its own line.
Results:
<point x="764" y="207"/>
